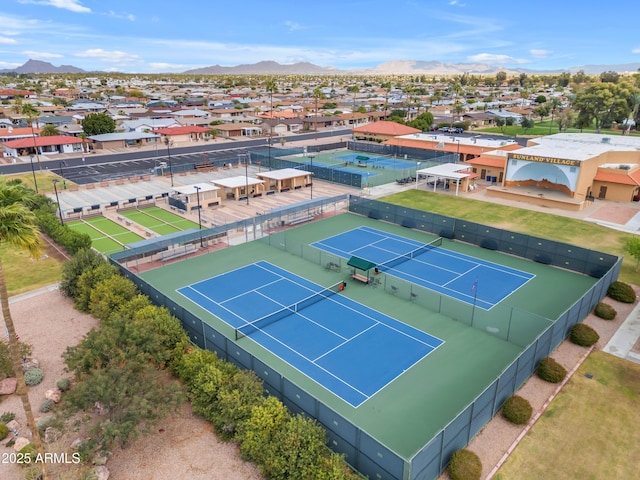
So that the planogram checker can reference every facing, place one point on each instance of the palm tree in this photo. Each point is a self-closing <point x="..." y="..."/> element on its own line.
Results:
<point x="49" y="130"/>
<point x="554" y="103"/>
<point x="317" y="94"/>
<point x="18" y="228"/>
<point x="271" y="87"/>
<point x="456" y="90"/>
<point x="32" y="115"/>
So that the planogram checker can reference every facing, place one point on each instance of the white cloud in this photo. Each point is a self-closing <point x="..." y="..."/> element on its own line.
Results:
<point x="7" y="41"/>
<point x="635" y="50"/>
<point x="127" y="16"/>
<point x="293" y="26"/>
<point x="34" y="54"/>
<point x="456" y="3"/>
<point x="539" y="53"/>
<point x="72" y="5"/>
<point x="499" y="59"/>
<point x="106" y="56"/>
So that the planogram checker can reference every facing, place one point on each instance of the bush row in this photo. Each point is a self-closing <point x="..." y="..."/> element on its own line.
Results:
<point x="133" y="335"/>
<point x="48" y="222"/>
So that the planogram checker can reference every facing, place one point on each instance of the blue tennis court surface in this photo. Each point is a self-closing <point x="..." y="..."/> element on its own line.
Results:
<point x="348" y="348"/>
<point x="456" y="275"/>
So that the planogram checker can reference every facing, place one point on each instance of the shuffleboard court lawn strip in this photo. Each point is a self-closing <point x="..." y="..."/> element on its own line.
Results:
<point x="106" y="245"/>
<point x="128" y="237"/>
<point x="170" y="218"/>
<point x="84" y="228"/>
<point x="107" y="226"/>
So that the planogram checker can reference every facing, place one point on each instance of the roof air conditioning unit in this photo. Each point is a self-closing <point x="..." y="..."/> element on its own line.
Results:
<point x="606" y="140"/>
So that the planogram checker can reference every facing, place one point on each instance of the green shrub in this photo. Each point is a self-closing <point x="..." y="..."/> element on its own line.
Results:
<point x="465" y="465"/>
<point x="6" y="417"/>
<point x="517" y="410"/>
<point x="6" y="364"/>
<point x="45" y="422"/>
<point x="46" y="406"/>
<point x="33" y="376"/>
<point x="4" y="431"/>
<point x="605" y="311"/>
<point x="551" y="371"/>
<point x="621" y="292"/>
<point x="63" y="384"/>
<point x="583" y="335"/>
<point x="27" y="454"/>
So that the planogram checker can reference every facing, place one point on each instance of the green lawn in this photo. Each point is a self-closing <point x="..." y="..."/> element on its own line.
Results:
<point x="554" y="227"/>
<point x="23" y="273"/>
<point x="154" y="224"/>
<point x="590" y="431"/>
<point x="170" y="218"/>
<point x="541" y="129"/>
<point x="110" y="237"/>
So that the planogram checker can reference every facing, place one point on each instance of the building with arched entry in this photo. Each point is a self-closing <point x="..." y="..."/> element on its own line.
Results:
<point x="570" y="170"/>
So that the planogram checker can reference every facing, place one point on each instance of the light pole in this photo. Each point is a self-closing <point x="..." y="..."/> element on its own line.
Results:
<point x="64" y="180"/>
<point x="269" y="145"/>
<point x="55" y="189"/>
<point x="199" y="216"/>
<point x="167" y="142"/>
<point x="417" y="174"/>
<point x="246" y="176"/>
<point x="458" y="151"/>
<point x="34" y="173"/>
<point x="311" y="173"/>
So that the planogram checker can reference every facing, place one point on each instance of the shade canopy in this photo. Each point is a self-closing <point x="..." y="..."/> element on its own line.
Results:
<point x="360" y="263"/>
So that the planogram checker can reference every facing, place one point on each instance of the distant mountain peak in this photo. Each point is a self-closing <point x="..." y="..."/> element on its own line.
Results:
<point x="38" y="66"/>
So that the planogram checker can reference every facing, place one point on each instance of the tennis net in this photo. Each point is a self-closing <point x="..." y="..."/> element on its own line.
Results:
<point x="262" y="322"/>
<point x="405" y="257"/>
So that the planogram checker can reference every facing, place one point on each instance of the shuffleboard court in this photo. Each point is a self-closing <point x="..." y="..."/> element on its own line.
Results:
<point x="479" y="282"/>
<point x="159" y="220"/>
<point x="106" y="235"/>
<point x="350" y="349"/>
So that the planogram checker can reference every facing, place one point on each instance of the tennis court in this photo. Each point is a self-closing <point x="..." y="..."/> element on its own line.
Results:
<point x="478" y="282"/>
<point x="350" y="349"/>
<point x="159" y="220"/>
<point x="106" y="235"/>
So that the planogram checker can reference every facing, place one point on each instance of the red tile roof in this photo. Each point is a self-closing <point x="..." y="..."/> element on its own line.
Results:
<point x="42" y="141"/>
<point x="495" y="162"/>
<point x="627" y="178"/>
<point x="386" y="128"/>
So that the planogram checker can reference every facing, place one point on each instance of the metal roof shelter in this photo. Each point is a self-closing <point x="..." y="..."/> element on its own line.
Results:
<point x="360" y="263"/>
<point x="446" y="171"/>
<point x="286" y="179"/>
<point x="240" y="186"/>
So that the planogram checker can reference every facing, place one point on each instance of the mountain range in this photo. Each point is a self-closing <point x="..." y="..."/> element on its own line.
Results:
<point x="394" y="67"/>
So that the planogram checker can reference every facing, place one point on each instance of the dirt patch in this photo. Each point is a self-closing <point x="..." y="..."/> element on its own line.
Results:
<point x="182" y="445"/>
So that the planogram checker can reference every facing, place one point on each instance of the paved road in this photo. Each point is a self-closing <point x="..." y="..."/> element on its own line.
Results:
<point x="96" y="168"/>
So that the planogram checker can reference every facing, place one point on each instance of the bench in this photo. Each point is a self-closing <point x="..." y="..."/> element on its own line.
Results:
<point x="121" y="218"/>
<point x="360" y="277"/>
<point x="244" y="197"/>
<point x="128" y="222"/>
<point x="148" y="233"/>
<point x="270" y="192"/>
<point x="171" y="254"/>
<point x="297" y="187"/>
<point x="304" y="219"/>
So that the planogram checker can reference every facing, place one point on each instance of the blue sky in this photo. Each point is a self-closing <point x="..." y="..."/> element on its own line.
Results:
<point x="174" y="36"/>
